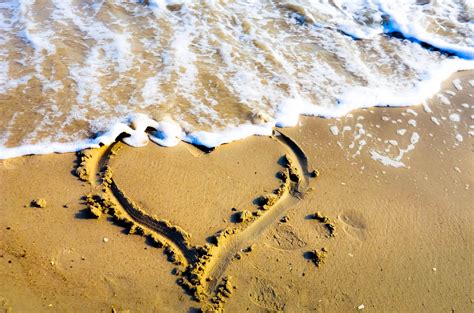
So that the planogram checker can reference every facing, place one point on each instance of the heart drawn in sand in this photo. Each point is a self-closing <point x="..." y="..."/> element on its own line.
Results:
<point x="201" y="267"/>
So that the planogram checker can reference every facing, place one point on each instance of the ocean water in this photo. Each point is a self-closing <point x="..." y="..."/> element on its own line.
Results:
<point x="76" y="74"/>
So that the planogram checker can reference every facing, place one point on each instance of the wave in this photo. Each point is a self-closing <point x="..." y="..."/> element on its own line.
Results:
<point x="77" y="74"/>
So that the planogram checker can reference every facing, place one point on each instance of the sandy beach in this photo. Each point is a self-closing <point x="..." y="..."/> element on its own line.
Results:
<point x="312" y="219"/>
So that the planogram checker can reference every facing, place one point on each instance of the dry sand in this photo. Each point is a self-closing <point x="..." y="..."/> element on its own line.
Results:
<point x="403" y="237"/>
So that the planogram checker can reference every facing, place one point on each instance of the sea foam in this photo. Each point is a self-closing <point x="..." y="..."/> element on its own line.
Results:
<point x="197" y="72"/>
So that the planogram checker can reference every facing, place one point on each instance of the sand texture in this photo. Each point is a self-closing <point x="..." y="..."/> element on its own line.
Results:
<point x="369" y="212"/>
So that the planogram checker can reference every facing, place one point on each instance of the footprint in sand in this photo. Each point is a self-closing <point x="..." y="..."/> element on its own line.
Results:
<point x="354" y="224"/>
<point x="285" y="237"/>
<point x="264" y="294"/>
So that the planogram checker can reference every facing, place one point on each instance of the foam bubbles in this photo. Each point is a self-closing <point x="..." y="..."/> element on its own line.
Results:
<point x="172" y="70"/>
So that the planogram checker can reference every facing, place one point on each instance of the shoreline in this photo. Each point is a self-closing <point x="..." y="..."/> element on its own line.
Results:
<point x="141" y="129"/>
<point x="402" y="235"/>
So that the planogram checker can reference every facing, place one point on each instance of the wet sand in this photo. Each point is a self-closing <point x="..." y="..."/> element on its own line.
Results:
<point x="402" y="238"/>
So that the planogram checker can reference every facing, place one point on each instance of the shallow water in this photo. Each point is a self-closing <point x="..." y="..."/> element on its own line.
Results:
<point x="74" y="74"/>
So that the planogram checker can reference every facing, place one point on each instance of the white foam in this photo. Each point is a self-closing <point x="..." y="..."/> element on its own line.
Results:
<point x="402" y="19"/>
<point x="457" y="84"/>
<point x="396" y="161"/>
<point x="435" y="120"/>
<point x="278" y="72"/>
<point x="451" y="93"/>
<point x="454" y="117"/>
<point x="401" y="132"/>
<point x="289" y="111"/>
<point x="412" y="122"/>
<point x="46" y="148"/>
<point x="134" y="126"/>
<point x="444" y="100"/>
<point x="168" y="133"/>
<point x="385" y="160"/>
<point x="362" y="97"/>
<point x="426" y="108"/>
<point x="412" y="112"/>
<point x="415" y="137"/>
<point x="217" y="138"/>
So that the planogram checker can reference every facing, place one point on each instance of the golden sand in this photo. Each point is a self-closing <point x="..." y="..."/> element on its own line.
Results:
<point x="249" y="226"/>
